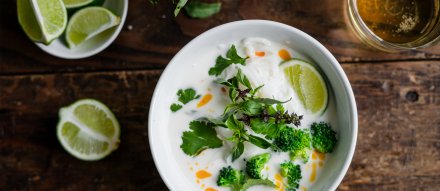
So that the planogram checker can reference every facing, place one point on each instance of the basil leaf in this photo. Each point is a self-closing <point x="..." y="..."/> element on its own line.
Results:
<point x="259" y="142"/>
<point x="251" y="107"/>
<point x="179" y="6"/>
<point x="200" y="10"/>
<point x="237" y="151"/>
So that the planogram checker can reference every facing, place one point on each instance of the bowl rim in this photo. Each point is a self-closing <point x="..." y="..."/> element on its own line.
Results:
<point x="98" y="49"/>
<point x="353" y="116"/>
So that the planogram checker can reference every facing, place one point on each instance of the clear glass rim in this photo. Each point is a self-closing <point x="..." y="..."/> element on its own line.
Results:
<point x="368" y="36"/>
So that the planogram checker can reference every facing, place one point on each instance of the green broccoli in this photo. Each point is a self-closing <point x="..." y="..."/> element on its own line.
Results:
<point x="323" y="137"/>
<point x="293" y="174"/>
<point x="297" y="141"/>
<point x="255" y="165"/>
<point x="230" y="177"/>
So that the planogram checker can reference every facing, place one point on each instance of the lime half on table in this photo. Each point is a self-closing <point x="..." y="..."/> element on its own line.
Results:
<point x="42" y="20"/>
<point x="89" y="22"/>
<point x="88" y="130"/>
<point x="307" y="83"/>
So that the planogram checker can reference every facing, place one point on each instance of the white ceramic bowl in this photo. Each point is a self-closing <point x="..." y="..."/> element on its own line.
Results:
<point x="94" y="45"/>
<point x="336" y="165"/>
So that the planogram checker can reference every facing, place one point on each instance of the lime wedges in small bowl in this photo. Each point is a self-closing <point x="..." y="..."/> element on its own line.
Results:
<point x="73" y="29"/>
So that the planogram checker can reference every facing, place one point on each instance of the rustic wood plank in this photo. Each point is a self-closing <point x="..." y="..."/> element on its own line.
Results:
<point x="31" y="157"/>
<point x="151" y="36"/>
<point x="398" y="143"/>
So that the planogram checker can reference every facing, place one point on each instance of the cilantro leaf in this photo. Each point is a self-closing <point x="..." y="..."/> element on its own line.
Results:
<point x="222" y="63"/>
<point x="187" y="95"/>
<point x="200" y="10"/>
<point x="253" y="182"/>
<point x="202" y="136"/>
<point x="175" y="107"/>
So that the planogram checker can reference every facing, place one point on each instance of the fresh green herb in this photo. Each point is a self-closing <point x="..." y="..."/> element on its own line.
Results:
<point x="184" y="96"/>
<point x="236" y="180"/>
<point x="202" y="136"/>
<point x="293" y="174"/>
<point x="175" y="107"/>
<point x="187" y="95"/>
<point x="179" y="6"/>
<point x="323" y="137"/>
<point x="222" y="63"/>
<point x="200" y="10"/>
<point x="255" y="165"/>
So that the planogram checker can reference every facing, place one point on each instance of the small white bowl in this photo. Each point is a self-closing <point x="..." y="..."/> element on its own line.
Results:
<point x="337" y="163"/>
<point x="94" y="45"/>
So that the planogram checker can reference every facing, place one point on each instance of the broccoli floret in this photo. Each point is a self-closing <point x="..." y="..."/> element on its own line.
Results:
<point x="230" y="177"/>
<point x="296" y="141"/>
<point x="323" y="137"/>
<point x="293" y="174"/>
<point x="255" y="165"/>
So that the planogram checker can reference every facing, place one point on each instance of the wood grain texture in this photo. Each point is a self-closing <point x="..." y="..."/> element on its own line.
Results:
<point x="398" y="143"/>
<point x="151" y="36"/>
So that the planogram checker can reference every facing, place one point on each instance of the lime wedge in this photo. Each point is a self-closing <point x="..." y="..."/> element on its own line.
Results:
<point x="88" y="130"/>
<point x="76" y="3"/>
<point x="42" y="20"/>
<point x="87" y="23"/>
<point x="307" y="83"/>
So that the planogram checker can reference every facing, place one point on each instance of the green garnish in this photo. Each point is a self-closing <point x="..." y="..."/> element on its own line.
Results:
<point x="202" y="136"/>
<point x="200" y="10"/>
<point x="222" y="63"/>
<point x="185" y="96"/>
<point x="175" y="107"/>
<point x="195" y="9"/>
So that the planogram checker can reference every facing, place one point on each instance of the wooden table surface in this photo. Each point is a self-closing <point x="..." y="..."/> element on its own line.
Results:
<point x="398" y="98"/>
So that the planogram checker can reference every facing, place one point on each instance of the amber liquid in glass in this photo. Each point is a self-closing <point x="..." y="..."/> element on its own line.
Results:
<point x="399" y="21"/>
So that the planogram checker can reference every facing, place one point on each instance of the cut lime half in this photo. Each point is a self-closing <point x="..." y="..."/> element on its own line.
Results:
<point x="307" y="83"/>
<point x="89" y="22"/>
<point x="88" y="130"/>
<point x="42" y="20"/>
<point x="70" y="4"/>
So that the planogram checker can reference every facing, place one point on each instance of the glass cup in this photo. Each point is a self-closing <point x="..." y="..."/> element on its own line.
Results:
<point x="395" y="25"/>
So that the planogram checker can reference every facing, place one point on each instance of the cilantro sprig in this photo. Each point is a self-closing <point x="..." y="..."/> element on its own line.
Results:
<point x="184" y="96"/>
<point x="202" y="136"/>
<point x="221" y="63"/>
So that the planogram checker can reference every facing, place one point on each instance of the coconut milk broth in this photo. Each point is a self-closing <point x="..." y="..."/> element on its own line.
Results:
<point x="260" y="70"/>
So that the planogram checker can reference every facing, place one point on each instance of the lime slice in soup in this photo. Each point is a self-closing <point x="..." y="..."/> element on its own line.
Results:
<point x="307" y="83"/>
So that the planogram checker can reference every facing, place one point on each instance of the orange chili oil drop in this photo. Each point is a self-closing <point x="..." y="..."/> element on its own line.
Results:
<point x="205" y="99"/>
<point x="201" y="174"/>
<point x="284" y="54"/>
<point x="260" y="53"/>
